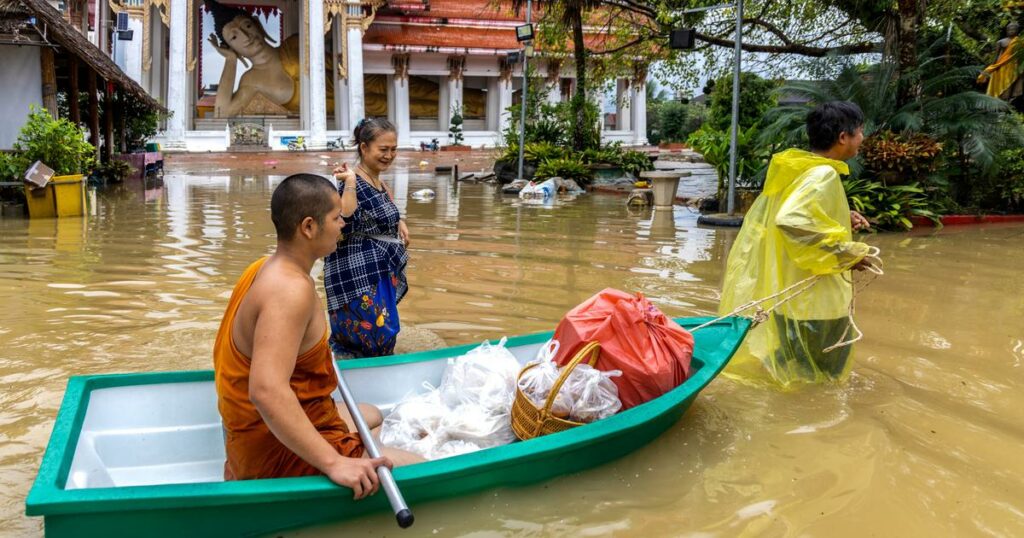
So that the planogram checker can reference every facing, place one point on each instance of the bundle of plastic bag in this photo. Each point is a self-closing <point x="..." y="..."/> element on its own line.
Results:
<point x="415" y="423"/>
<point x="471" y="409"/>
<point x="593" y="393"/>
<point x="478" y="426"/>
<point x="587" y="395"/>
<point x="485" y="376"/>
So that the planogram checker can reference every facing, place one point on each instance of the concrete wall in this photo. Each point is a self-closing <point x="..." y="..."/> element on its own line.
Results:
<point x="21" y="83"/>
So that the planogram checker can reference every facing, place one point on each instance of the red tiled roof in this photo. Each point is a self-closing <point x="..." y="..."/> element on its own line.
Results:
<point x="441" y="36"/>
<point x="475" y="9"/>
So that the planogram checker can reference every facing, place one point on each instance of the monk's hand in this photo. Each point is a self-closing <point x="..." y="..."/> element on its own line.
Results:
<point x="859" y="222"/>
<point x="359" y="474"/>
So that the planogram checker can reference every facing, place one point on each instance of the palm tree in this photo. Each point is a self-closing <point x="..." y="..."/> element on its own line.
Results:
<point x="977" y="125"/>
<point x="569" y="14"/>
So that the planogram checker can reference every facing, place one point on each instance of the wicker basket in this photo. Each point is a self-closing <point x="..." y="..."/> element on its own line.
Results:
<point x="529" y="421"/>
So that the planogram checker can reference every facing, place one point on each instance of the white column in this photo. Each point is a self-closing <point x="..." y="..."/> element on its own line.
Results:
<point x="356" y="94"/>
<point x="177" y="90"/>
<point x="133" y="50"/>
<point x="400" y="91"/>
<point x="317" y="76"/>
<point x="639" y="108"/>
<point x="504" y="101"/>
<point x="444" y="113"/>
<point x="623" y="108"/>
<point x="492" y="103"/>
<point x="340" y="84"/>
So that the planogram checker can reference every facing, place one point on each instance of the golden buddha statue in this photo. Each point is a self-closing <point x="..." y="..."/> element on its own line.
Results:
<point x="271" y="85"/>
<point x="1003" y="76"/>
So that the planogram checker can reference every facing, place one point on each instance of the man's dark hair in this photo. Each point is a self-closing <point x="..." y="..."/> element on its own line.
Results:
<point x="828" y="120"/>
<point x="297" y="197"/>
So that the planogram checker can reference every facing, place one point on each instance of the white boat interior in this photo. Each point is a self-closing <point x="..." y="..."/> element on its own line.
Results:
<point x="170" y="433"/>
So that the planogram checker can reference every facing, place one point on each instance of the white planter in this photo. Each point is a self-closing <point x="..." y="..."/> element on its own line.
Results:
<point x="665" y="186"/>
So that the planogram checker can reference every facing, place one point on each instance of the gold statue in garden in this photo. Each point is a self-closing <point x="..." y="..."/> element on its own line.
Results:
<point x="1003" y="77"/>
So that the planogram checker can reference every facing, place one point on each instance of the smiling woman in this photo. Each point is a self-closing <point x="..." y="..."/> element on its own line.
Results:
<point x="365" y="277"/>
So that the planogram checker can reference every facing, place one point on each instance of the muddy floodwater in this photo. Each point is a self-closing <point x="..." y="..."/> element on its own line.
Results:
<point x="926" y="439"/>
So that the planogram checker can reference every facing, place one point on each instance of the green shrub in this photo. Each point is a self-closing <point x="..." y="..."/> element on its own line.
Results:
<point x="565" y="168"/>
<point x="751" y="162"/>
<point x="10" y="167"/>
<point x="59" y="144"/>
<point x="890" y="207"/>
<point x="634" y="162"/>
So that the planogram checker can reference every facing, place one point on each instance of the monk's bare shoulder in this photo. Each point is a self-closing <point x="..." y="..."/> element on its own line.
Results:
<point x="284" y="288"/>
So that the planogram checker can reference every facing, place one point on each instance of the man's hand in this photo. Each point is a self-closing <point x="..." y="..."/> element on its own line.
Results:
<point x="403" y="233"/>
<point x="360" y="474"/>
<point x="859" y="222"/>
<point x="862" y="265"/>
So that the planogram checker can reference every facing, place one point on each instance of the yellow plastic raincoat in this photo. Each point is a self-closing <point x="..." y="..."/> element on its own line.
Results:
<point x="799" y="226"/>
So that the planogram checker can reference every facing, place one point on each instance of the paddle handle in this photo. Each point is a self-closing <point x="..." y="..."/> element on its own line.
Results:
<point x="402" y="512"/>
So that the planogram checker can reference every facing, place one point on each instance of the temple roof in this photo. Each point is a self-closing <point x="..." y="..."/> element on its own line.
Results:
<point x="468" y="24"/>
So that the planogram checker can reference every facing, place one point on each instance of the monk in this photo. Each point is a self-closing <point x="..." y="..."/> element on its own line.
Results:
<point x="272" y="362"/>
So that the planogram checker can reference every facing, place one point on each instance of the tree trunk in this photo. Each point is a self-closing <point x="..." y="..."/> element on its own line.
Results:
<point x="94" y="113"/>
<point x="108" y="123"/>
<point x="579" y="101"/>
<point x="74" y="109"/>
<point x="908" y="20"/>
<point x="49" y="72"/>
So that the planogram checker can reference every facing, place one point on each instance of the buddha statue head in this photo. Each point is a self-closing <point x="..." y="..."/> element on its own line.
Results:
<point x="238" y="30"/>
<point x="1012" y="29"/>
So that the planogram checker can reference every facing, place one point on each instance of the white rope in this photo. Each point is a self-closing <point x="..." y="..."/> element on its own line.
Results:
<point x="873" y="266"/>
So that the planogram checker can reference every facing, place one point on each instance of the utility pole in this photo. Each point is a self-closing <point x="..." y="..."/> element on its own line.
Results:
<point x="737" y="65"/>
<point x="522" y="104"/>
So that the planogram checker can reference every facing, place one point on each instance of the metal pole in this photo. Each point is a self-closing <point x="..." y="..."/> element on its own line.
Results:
<point x="733" y="150"/>
<point x="387" y="482"/>
<point x="522" y="104"/>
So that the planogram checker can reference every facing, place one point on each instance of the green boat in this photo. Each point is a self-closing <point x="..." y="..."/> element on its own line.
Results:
<point x="143" y="454"/>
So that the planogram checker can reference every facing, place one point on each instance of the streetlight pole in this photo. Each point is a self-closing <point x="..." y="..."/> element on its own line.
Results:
<point x="733" y="142"/>
<point x="522" y="104"/>
<point x="737" y="64"/>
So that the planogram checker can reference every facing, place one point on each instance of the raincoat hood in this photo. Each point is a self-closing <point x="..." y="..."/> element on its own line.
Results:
<point x="788" y="165"/>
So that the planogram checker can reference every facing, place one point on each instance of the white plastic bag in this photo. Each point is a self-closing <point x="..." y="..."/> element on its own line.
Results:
<point x="593" y="393"/>
<point x="415" y="423"/>
<point x="471" y="410"/>
<point x="541" y="190"/>
<point x="587" y="395"/>
<point x="485" y="376"/>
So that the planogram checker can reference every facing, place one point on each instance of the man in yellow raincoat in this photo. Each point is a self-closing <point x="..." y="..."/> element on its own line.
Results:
<point x="801" y="225"/>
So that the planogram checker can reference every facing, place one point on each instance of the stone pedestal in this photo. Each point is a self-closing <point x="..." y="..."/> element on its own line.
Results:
<point x="665" y="185"/>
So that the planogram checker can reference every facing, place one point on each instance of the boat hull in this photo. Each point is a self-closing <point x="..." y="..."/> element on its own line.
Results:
<point x="258" y="507"/>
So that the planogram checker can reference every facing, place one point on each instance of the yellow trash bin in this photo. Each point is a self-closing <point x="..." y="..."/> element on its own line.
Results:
<point x="63" y="196"/>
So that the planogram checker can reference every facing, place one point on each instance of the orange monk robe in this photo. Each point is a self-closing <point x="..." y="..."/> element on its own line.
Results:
<point x="252" y="449"/>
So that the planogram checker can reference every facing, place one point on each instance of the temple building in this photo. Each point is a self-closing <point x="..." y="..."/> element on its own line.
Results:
<point x="268" y="71"/>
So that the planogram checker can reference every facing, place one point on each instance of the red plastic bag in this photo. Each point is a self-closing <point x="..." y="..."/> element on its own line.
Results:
<point x="652" y="351"/>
